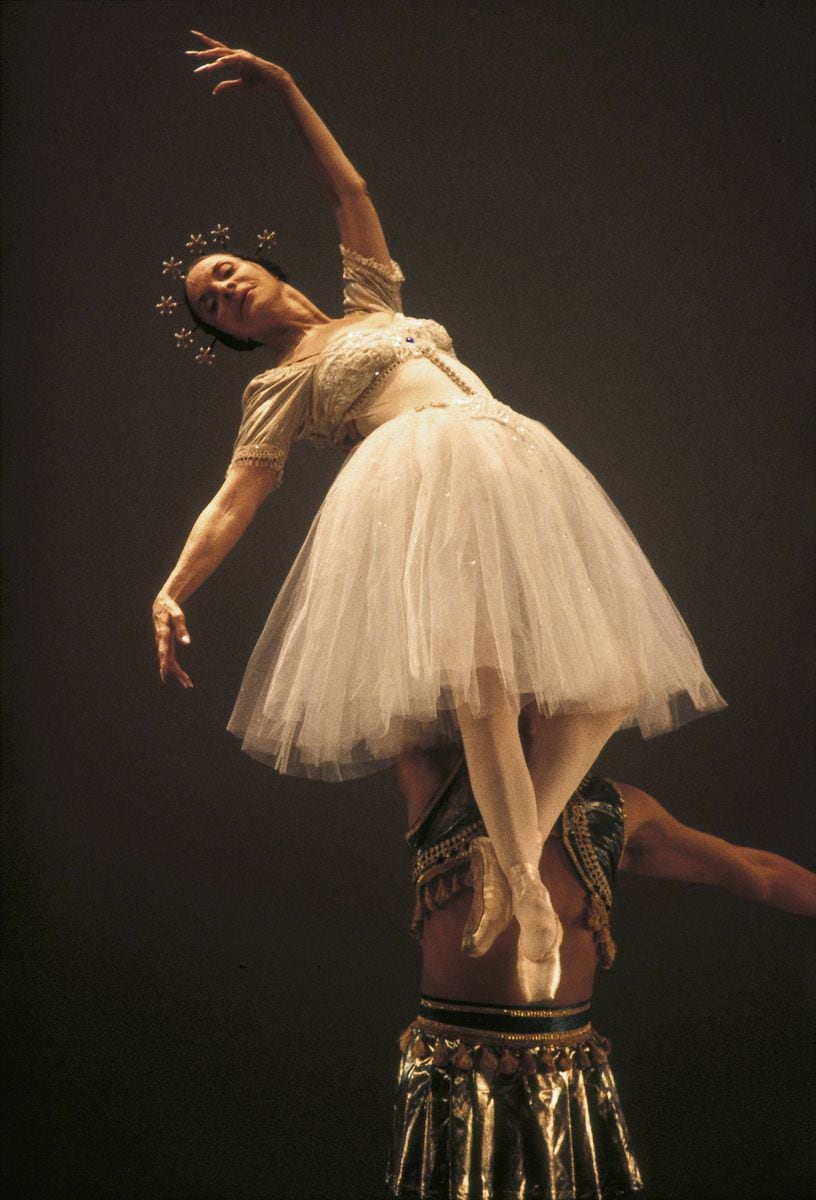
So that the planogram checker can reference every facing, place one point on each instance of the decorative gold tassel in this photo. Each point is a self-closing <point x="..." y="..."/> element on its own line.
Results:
<point x="420" y="1048"/>
<point x="462" y="1058"/>
<point x="607" y="947"/>
<point x="547" y="1062"/>
<point x="564" y="1061"/>
<point x="488" y="1061"/>
<point x="508" y="1063"/>
<point x="529" y="1066"/>
<point x="597" y="1054"/>
<point x="597" y="919"/>
<point x="441" y="894"/>
<point x="417" y="917"/>
<point x="441" y="1056"/>
<point x="582" y="1059"/>
<point x="596" y="913"/>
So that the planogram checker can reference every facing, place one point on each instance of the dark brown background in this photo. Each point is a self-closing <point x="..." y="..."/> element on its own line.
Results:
<point x="610" y="206"/>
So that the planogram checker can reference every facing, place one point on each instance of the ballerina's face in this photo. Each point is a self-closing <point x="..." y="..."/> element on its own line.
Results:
<point x="235" y="296"/>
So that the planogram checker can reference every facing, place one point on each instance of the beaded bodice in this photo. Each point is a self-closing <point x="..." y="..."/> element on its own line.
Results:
<point x="354" y="361"/>
<point x="321" y="396"/>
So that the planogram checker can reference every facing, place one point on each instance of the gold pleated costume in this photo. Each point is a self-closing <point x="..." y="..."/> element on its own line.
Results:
<point x="493" y="1115"/>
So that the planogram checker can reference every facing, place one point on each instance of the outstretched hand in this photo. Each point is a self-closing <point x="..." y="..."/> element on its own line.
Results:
<point x="168" y="626"/>
<point x="251" y="73"/>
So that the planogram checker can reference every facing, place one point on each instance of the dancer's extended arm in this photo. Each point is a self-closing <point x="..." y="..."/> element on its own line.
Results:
<point x="357" y="221"/>
<point x="217" y="529"/>
<point x="660" y="846"/>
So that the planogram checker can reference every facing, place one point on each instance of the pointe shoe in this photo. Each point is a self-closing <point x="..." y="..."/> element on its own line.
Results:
<point x="539" y="979"/>
<point x="539" y="961"/>
<point x="492" y="908"/>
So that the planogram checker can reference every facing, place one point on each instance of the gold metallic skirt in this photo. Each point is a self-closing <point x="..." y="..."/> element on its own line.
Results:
<point x="500" y="1103"/>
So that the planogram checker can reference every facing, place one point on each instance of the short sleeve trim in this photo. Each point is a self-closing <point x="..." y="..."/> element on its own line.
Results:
<point x="390" y="272"/>
<point x="261" y="455"/>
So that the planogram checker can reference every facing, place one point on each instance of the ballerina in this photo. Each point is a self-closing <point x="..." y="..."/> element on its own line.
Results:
<point x="462" y="566"/>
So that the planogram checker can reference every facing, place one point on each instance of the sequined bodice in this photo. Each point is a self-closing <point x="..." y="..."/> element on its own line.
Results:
<point x="353" y="363"/>
<point x="353" y="385"/>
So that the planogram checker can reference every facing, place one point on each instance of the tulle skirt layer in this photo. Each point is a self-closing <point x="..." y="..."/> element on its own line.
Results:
<point x="458" y="545"/>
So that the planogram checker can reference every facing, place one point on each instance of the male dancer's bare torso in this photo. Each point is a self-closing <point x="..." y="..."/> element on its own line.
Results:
<point x="657" y="845"/>
<point x="492" y="978"/>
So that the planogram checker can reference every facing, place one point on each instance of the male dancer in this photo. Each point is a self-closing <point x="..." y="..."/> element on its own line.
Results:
<point x="499" y="1098"/>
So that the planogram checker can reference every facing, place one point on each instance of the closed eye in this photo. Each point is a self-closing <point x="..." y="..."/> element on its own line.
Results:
<point x="221" y="270"/>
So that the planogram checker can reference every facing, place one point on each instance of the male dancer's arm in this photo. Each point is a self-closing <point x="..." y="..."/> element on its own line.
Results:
<point x="660" y="846"/>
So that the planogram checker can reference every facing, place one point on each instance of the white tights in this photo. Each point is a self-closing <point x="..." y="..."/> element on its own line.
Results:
<point x="519" y="803"/>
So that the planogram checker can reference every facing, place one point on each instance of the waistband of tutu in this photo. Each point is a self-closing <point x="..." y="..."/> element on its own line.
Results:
<point x="493" y="1022"/>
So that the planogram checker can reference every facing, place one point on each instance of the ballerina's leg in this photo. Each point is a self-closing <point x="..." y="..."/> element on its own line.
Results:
<point x="520" y="798"/>
<point x="504" y="792"/>
<point x="560" y="751"/>
<point x="499" y="775"/>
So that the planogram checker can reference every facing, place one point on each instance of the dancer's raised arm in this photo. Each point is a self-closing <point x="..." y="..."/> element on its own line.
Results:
<point x="357" y="221"/>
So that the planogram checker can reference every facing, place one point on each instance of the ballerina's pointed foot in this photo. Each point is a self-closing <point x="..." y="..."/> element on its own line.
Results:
<point x="539" y="978"/>
<point x="538" y="965"/>
<point x="492" y="908"/>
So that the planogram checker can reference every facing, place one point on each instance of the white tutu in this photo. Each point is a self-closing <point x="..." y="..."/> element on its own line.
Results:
<point x="457" y="539"/>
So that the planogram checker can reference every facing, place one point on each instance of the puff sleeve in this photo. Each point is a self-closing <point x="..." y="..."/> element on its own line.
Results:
<point x="370" y="286"/>
<point x="275" y="412"/>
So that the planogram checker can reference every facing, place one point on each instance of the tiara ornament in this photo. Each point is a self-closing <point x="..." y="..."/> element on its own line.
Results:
<point x="198" y="245"/>
<point x="172" y="267"/>
<point x="184" y="339"/>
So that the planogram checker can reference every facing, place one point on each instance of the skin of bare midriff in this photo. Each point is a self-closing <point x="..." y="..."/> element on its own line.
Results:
<point x="450" y="974"/>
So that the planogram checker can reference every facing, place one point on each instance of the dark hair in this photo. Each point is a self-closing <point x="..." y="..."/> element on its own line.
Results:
<point x="226" y="339"/>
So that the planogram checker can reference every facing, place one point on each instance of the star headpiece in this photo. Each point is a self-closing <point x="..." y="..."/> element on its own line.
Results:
<point x="196" y="246"/>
